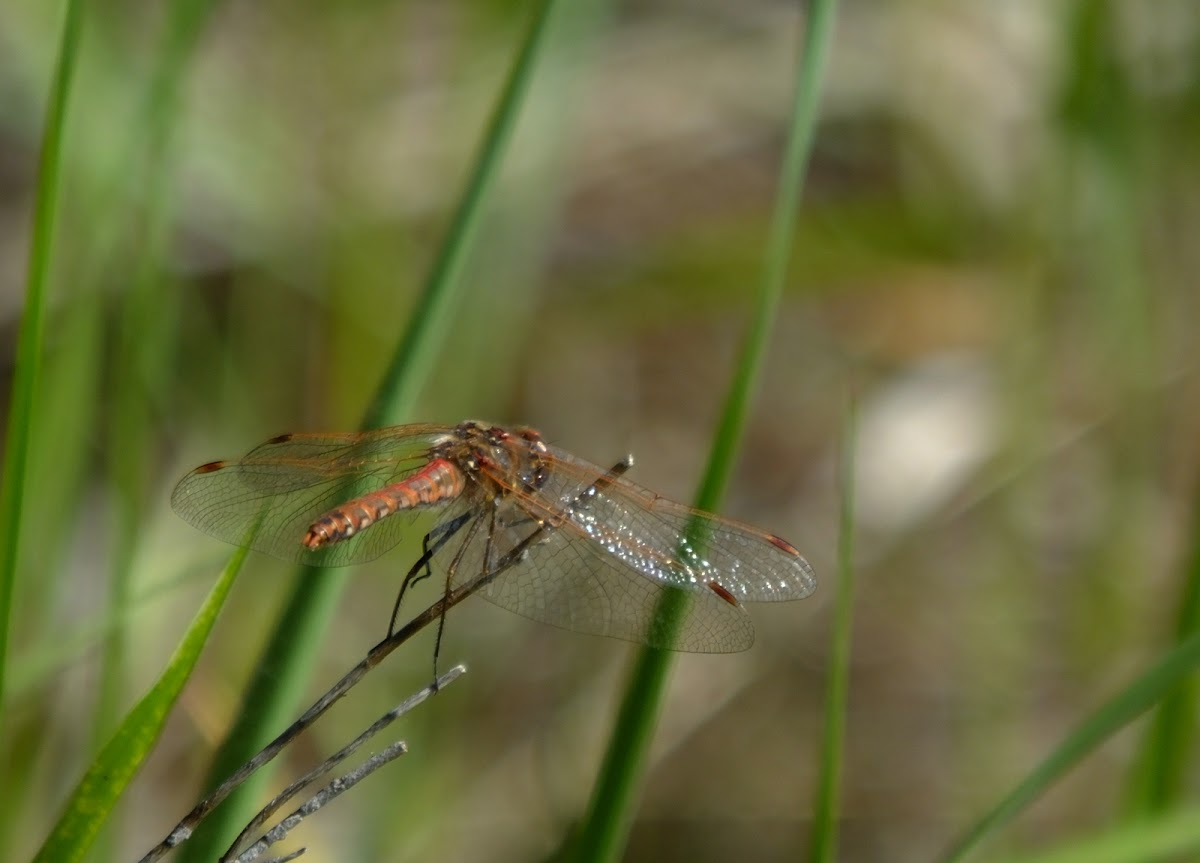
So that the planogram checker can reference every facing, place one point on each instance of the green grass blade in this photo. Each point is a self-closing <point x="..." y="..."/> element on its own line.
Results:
<point x="1166" y="759"/>
<point x="97" y="792"/>
<point x="430" y="321"/>
<point x="605" y="828"/>
<point x="143" y="352"/>
<point x="275" y="688"/>
<point x="824" y="835"/>
<point x="805" y="106"/>
<point x="1146" y="691"/>
<point x="30" y="340"/>
<point x="1161" y="838"/>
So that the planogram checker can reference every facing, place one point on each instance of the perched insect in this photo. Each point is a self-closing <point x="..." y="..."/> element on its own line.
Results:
<point x="550" y="536"/>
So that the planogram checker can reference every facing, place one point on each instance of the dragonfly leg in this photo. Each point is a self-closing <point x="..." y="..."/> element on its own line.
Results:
<point x="440" y="534"/>
<point x="450" y="573"/>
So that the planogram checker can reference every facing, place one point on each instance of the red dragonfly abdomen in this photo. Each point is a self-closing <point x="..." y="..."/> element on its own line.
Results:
<point x="438" y="481"/>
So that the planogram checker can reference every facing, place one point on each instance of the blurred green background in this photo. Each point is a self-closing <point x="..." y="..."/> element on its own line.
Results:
<point x="996" y="252"/>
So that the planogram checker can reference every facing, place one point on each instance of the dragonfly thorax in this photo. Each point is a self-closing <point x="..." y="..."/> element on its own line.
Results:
<point x="497" y="458"/>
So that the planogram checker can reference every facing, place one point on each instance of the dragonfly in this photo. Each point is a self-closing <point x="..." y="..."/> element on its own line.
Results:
<point x="546" y="534"/>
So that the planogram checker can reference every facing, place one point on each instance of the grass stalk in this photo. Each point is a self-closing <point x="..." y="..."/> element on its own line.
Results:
<point x="824" y="835"/>
<point x="275" y="688"/>
<point x="1166" y="762"/>
<point x="1147" y="690"/>
<point x="33" y="324"/>
<point x="147" y="322"/>
<point x="90" y="804"/>
<point x="1163" y="837"/>
<point x="418" y="349"/>
<point x="605" y="828"/>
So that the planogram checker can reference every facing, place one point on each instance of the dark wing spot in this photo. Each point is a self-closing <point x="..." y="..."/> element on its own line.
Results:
<point x="784" y="545"/>
<point x="211" y="466"/>
<point x="723" y="593"/>
<point x="283" y="438"/>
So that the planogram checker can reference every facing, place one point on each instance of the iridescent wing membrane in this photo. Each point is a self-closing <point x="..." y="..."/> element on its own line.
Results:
<point x="290" y="481"/>
<point x="587" y="550"/>
<point x="611" y="549"/>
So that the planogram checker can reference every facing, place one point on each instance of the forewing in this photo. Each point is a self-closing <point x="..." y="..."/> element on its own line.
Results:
<point x="567" y="580"/>
<point x="668" y="542"/>
<point x="285" y="484"/>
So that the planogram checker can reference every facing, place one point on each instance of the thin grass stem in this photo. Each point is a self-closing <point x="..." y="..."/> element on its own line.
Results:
<point x="291" y="649"/>
<point x="1161" y="776"/>
<point x="33" y="324"/>
<point x="825" y="816"/>
<point x="605" y="827"/>
<point x="1147" y="690"/>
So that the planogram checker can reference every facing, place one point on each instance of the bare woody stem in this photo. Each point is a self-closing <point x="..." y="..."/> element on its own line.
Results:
<point x="184" y="829"/>
<point x="241" y="850"/>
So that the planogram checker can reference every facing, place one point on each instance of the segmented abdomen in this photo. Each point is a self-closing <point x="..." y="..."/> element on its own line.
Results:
<point x="438" y="481"/>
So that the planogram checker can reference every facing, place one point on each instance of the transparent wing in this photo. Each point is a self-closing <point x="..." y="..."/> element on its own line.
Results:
<point x="665" y="541"/>
<point x="568" y="580"/>
<point x="288" y="482"/>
